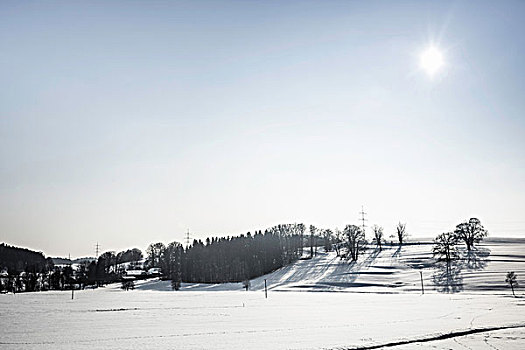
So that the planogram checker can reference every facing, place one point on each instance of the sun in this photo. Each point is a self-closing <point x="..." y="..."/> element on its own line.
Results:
<point x="431" y="60"/>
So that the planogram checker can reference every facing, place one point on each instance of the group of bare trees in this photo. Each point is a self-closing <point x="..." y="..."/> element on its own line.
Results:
<point x="168" y="259"/>
<point x="353" y="240"/>
<point x="356" y="241"/>
<point x="23" y="270"/>
<point x="321" y="237"/>
<point x="469" y="232"/>
<point x="446" y="244"/>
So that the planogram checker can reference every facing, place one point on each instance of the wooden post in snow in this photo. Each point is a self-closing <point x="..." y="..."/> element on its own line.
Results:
<point x="422" y="288"/>
<point x="72" y="293"/>
<point x="265" y="290"/>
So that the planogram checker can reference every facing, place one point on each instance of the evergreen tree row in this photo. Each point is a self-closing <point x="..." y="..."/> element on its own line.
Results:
<point x="228" y="259"/>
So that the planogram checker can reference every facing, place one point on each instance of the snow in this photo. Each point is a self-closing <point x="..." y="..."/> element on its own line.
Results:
<point x="135" y="272"/>
<point x="394" y="270"/>
<point x="359" y="306"/>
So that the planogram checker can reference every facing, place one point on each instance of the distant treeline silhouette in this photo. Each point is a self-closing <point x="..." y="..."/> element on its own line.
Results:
<point x="17" y="260"/>
<point x="216" y="260"/>
<point x="240" y="258"/>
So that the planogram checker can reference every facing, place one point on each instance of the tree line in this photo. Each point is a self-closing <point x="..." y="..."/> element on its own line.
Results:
<point x="229" y="259"/>
<point x="24" y="270"/>
<point x="217" y="259"/>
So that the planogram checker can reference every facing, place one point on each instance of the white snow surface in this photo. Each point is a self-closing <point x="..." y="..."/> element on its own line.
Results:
<point x="322" y="303"/>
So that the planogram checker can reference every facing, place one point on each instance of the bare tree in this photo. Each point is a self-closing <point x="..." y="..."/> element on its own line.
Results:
<point x="327" y="239"/>
<point x="299" y="229"/>
<point x="313" y="230"/>
<point x="155" y="251"/>
<point x="512" y="280"/>
<point x="378" y="236"/>
<point x="445" y="247"/>
<point x="171" y="263"/>
<point x="338" y="240"/>
<point x="356" y="240"/>
<point x="471" y="232"/>
<point x="402" y="234"/>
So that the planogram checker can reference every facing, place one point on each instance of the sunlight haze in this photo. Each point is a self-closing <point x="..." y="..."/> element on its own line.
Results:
<point x="127" y="123"/>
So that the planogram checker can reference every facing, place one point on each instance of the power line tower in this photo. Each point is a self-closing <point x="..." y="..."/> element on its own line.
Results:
<point x="362" y="213"/>
<point x="97" y="250"/>
<point x="187" y="238"/>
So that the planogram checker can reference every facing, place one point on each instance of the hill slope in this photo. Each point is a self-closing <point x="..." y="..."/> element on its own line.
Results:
<point x="394" y="270"/>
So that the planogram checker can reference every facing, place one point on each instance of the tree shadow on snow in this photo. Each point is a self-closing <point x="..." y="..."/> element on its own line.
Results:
<point x="397" y="252"/>
<point x="475" y="259"/>
<point x="448" y="278"/>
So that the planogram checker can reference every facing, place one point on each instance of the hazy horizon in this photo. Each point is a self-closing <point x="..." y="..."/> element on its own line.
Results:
<point x="128" y="123"/>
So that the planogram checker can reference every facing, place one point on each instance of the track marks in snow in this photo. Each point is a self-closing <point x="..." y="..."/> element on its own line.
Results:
<point x="461" y="344"/>
<point x="435" y="337"/>
<point x="485" y="339"/>
<point x="114" y="310"/>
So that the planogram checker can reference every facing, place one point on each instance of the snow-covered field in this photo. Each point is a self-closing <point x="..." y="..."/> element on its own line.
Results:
<point x="371" y="304"/>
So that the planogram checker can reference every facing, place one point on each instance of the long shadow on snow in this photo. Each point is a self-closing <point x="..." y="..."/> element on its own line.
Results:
<point x="448" y="278"/>
<point x="326" y="271"/>
<point x="341" y="277"/>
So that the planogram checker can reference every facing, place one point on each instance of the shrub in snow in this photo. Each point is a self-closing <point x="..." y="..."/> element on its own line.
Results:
<point x="128" y="283"/>
<point x="246" y="284"/>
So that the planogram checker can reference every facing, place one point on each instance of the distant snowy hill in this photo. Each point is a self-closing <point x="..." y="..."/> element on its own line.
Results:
<point x="85" y="260"/>
<point x="66" y="261"/>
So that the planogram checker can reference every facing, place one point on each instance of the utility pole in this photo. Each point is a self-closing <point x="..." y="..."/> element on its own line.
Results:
<point x="72" y="285"/>
<point x="187" y="238"/>
<point x="265" y="290"/>
<point x="97" y="249"/>
<point x="362" y="213"/>
<point x="422" y="288"/>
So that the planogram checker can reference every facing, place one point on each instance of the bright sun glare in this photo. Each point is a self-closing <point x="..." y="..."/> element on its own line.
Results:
<point x="431" y="60"/>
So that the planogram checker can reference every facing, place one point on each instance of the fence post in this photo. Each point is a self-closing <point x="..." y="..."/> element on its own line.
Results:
<point x="422" y="288"/>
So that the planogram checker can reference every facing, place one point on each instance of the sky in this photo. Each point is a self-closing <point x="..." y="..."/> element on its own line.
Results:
<point x="127" y="123"/>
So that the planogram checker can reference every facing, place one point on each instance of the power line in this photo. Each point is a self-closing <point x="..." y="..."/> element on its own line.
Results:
<point x="362" y="213"/>
<point x="187" y="238"/>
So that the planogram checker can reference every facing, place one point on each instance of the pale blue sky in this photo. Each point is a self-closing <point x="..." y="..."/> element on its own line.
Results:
<point x="129" y="122"/>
